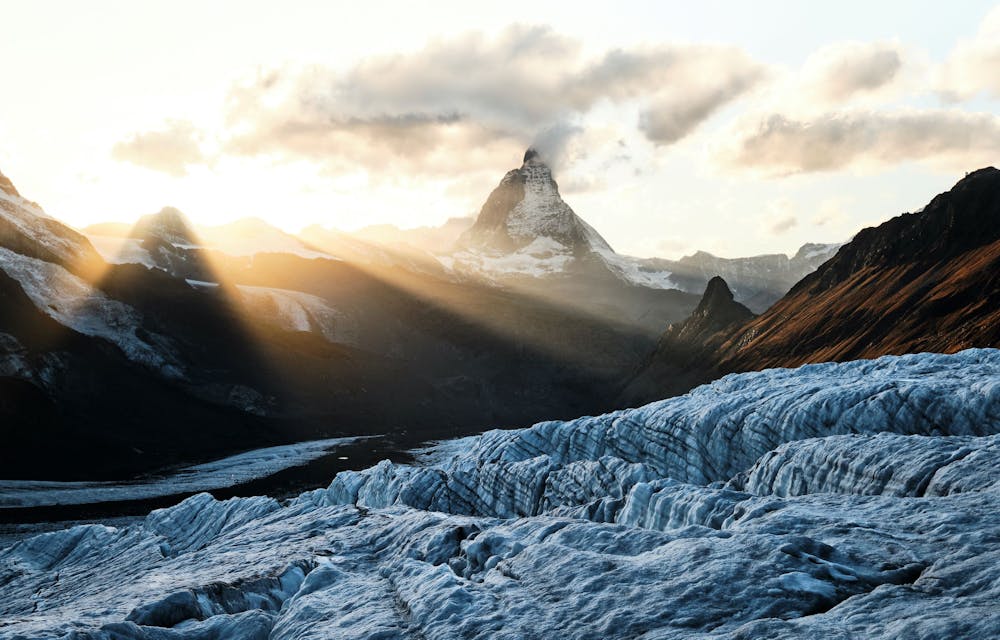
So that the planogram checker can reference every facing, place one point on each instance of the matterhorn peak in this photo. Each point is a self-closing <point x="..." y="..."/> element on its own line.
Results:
<point x="532" y="156"/>
<point x="526" y="207"/>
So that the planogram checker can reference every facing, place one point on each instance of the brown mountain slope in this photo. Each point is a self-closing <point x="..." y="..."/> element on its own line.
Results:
<point x="927" y="281"/>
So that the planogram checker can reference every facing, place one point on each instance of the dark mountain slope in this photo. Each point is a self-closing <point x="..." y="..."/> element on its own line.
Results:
<point x="927" y="281"/>
<point x="684" y="356"/>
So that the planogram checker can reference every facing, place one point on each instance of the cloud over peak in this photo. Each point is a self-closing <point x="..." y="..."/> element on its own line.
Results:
<point x="526" y="85"/>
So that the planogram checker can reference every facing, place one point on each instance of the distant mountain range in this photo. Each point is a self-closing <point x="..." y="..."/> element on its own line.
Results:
<point x="187" y="342"/>
<point x="128" y="348"/>
<point x="525" y="236"/>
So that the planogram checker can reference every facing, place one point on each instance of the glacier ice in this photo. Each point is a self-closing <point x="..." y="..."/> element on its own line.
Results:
<point x="74" y="303"/>
<point x="836" y="500"/>
<point x="226" y="472"/>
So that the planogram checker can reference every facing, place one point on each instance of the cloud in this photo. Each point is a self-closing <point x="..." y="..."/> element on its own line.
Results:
<point x="673" y="117"/>
<point x="837" y="73"/>
<point x="780" y="216"/>
<point x="831" y="214"/>
<point x="780" y="145"/>
<point x="171" y="149"/>
<point x="972" y="67"/>
<point x="783" y="225"/>
<point x="460" y="103"/>
<point x="553" y="143"/>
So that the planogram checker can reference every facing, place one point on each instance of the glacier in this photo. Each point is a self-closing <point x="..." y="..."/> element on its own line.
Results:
<point x="217" y="474"/>
<point x="73" y="302"/>
<point x="848" y="500"/>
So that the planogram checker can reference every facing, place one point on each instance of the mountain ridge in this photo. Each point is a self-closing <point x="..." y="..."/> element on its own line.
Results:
<point x="919" y="282"/>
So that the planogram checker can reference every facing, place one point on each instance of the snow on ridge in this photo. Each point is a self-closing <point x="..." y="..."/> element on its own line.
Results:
<point x="34" y="224"/>
<point x="74" y="303"/>
<point x="298" y="311"/>
<point x="122" y="250"/>
<point x="542" y="213"/>
<point x="626" y="525"/>
<point x="637" y="271"/>
<point x="21" y="203"/>
<point x="544" y="256"/>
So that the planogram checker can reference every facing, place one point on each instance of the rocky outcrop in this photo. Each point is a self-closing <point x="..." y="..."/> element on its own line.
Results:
<point x="757" y="281"/>
<point x="927" y="281"/>
<point x="169" y="240"/>
<point x="27" y="230"/>
<point x="686" y="351"/>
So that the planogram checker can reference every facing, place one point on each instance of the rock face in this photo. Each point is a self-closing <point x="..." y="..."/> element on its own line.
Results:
<point x="527" y="207"/>
<point x="758" y="281"/>
<point x="171" y="244"/>
<point x="685" y="351"/>
<point x="716" y="312"/>
<point x="27" y="230"/>
<point x="836" y="500"/>
<point x="927" y="281"/>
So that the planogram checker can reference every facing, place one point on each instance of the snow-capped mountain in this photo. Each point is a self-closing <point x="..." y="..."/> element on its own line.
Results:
<point x="854" y="500"/>
<point x="26" y="229"/>
<point x="757" y="281"/>
<point x="168" y="241"/>
<point x="525" y="230"/>
<point x="526" y="207"/>
<point x="190" y="343"/>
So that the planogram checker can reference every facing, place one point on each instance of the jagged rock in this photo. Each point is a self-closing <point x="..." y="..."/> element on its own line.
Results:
<point x="685" y="351"/>
<point x="757" y="281"/>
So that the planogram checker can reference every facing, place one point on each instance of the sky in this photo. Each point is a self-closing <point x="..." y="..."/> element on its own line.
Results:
<point x="732" y="127"/>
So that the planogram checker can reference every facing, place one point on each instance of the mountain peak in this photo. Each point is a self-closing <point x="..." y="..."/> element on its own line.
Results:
<point x="718" y="306"/>
<point x="716" y="292"/>
<point x="168" y="224"/>
<point x="961" y="219"/>
<point x="526" y="206"/>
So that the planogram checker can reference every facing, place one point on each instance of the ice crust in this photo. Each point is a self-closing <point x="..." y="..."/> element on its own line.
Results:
<point x="854" y="500"/>
<point x="226" y="472"/>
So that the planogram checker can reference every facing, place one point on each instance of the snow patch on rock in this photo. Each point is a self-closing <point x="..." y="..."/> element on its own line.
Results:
<point x="74" y="303"/>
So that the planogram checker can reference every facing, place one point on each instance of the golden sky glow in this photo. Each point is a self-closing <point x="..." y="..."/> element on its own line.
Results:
<point x="723" y="127"/>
